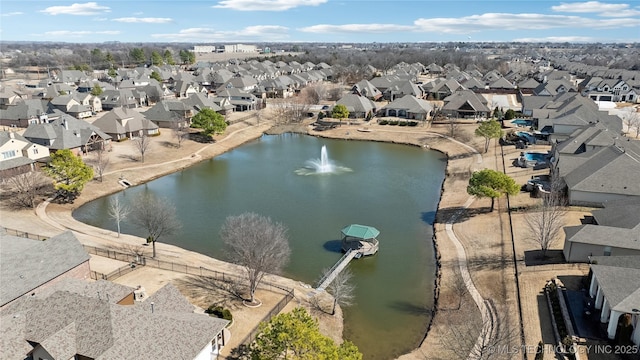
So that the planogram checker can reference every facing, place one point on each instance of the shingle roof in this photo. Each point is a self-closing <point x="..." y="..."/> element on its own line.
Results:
<point x="620" y="213"/>
<point x="411" y="104"/>
<point x="68" y="324"/>
<point x="26" y="264"/>
<point x="620" y="286"/>
<point x="461" y="97"/>
<point x="603" y="235"/>
<point x="613" y="170"/>
<point x="355" y="103"/>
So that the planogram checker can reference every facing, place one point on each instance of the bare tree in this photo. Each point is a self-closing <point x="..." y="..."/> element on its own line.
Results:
<point x="180" y="132"/>
<point x="131" y="249"/>
<point x="334" y="93"/>
<point x="100" y="161"/>
<point x="316" y="92"/>
<point x="24" y="188"/>
<point x="627" y="120"/>
<point x="632" y="120"/>
<point x="256" y="243"/>
<point x="288" y="111"/>
<point x="156" y="215"/>
<point x="142" y="144"/>
<point x="452" y="126"/>
<point x="459" y="289"/>
<point x="475" y="339"/>
<point x="545" y="221"/>
<point x="118" y="211"/>
<point x="342" y="289"/>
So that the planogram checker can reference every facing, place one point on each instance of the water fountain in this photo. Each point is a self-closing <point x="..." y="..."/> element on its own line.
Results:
<point x="324" y="165"/>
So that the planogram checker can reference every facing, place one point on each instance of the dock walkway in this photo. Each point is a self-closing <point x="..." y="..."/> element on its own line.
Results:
<point x="337" y="268"/>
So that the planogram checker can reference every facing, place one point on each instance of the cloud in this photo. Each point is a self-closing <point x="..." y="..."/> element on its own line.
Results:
<point x="589" y="7"/>
<point x="90" y="8"/>
<point x="571" y="39"/>
<point x="357" y="28"/>
<point x="15" y="13"/>
<point x="69" y="33"/>
<point x="621" y="13"/>
<point x="255" y="33"/>
<point x="266" y="5"/>
<point x="506" y="21"/>
<point x="144" y="20"/>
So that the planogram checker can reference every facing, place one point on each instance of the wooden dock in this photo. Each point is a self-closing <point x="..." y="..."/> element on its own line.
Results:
<point x="337" y="268"/>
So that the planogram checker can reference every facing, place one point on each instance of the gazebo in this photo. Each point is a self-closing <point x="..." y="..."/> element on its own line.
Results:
<point x="360" y="238"/>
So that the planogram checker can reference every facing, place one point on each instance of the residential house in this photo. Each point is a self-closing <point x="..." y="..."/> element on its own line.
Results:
<point x="615" y="90"/>
<point x="457" y="75"/>
<point x="280" y="87"/>
<point x="564" y="124"/>
<point x="615" y="290"/>
<point x="184" y="89"/>
<point x="408" y="107"/>
<point x="366" y="89"/>
<point x="92" y="102"/>
<point x="8" y="97"/>
<point x="220" y="77"/>
<point x="244" y="83"/>
<point x="18" y="155"/>
<point x="472" y="84"/>
<point x="67" y="132"/>
<point x="501" y="84"/>
<point x="25" y="112"/>
<point x="382" y="83"/>
<point x="401" y="88"/>
<point x="528" y="85"/>
<point x="200" y="101"/>
<point x="71" y="77"/>
<point x="29" y="266"/>
<point x="435" y="69"/>
<point x="123" y="123"/>
<point x="465" y="104"/>
<point x="491" y="77"/>
<point x="605" y="174"/>
<point x="118" y="98"/>
<point x="171" y="114"/>
<point x="583" y="241"/>
<point x="66" y="325"/>
<point x="241" y="100"/>
<point x="441" y="88"/>
<point x="69" y="105"/>
<point x="553" y="88"/>
<point x="358" y="106"/>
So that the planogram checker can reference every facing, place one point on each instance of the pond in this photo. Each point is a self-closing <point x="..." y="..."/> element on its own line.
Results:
<point x="394" y="188"/>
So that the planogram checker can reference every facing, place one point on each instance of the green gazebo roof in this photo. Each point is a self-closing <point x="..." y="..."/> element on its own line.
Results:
<point x="360" y="231"/>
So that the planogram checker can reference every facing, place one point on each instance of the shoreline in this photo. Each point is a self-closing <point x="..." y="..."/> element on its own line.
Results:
<point x="429" y="139"/>
<point x="444" y="150"/>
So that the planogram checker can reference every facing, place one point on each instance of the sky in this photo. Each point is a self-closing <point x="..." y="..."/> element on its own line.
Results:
<point x="339" y="21"/>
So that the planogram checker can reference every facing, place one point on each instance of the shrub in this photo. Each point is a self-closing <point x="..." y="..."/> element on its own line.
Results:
<point x="413" y="123"/>
<point x="402" y="123"/>
<point x="219" y="312"/>
<point x="393" y="122"/>
<point x="383" y="122"/>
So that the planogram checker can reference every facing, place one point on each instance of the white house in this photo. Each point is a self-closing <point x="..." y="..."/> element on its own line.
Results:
<point x="615" y="286"/>
<point x="19" y="154"/>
